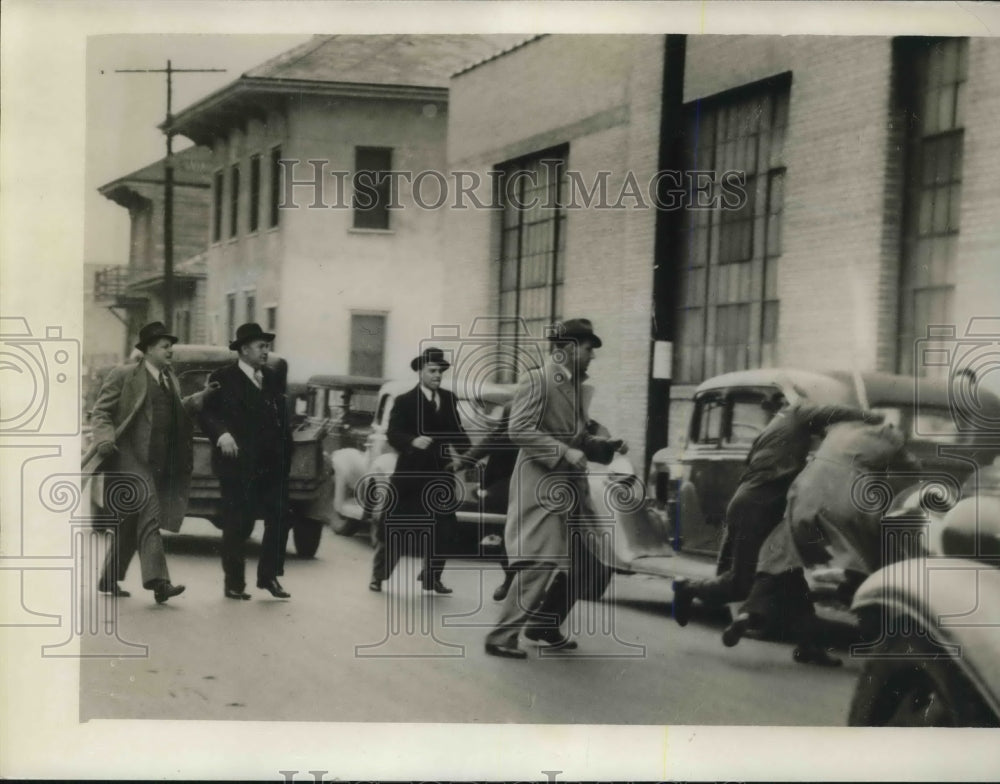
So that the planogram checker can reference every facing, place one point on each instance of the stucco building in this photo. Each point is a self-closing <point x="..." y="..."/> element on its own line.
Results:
<point x="134" y="292"/>
<point x="349" y="276"/>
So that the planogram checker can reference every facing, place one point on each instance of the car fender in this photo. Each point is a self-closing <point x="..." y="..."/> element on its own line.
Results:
<point x="954" y="602"/>
<point x="348" y="469"/>
<point x="618" y="494"/>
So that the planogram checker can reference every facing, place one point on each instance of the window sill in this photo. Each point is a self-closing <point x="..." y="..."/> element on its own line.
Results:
<point x="354" y="230"/>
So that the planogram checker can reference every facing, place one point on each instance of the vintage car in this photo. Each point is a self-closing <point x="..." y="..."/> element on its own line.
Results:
<point x="192" y="364"/>
<point x="359" y="477"/>
<point x="932" y="624"/>
<point x="693" y="486"/>
<point x="360" y="473"/>
<point x="339" y="410"/>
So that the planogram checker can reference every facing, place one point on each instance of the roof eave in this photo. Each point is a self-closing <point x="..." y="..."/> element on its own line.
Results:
<point x="255" y="96"/>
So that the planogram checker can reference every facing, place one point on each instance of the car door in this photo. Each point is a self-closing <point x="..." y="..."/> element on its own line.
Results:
<point x="724" y="424"/>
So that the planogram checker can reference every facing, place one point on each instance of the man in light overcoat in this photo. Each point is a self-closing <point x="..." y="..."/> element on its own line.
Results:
<point x="143" y="429"/>
<point x="548" y="491"/>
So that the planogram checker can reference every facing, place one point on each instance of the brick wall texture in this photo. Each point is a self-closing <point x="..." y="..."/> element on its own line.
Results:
<point x="838" y="278"/>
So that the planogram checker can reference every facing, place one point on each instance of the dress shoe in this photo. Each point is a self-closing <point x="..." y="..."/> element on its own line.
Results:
<point x="502" y="590"/>
<point x="112" y="588"/>
<point x="506" y="651"/>
<point x="551" y="638"/>
<point x="164" y="590"/>
<point x="682" y="602"/>
<point x="274" y="587"/>
<point x="375" y="585"/>
<point x="438" y="587"/>
<point x="736" y="630"/>
<point x="234" y="594"/>
<point x="810" y="653"/>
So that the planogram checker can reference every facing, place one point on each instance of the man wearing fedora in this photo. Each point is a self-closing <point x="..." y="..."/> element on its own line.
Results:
<point x="143" y="429"/>
<point x="247" y="421"/>
<point x="549" y="422"/>
<point x="425" y="431"/>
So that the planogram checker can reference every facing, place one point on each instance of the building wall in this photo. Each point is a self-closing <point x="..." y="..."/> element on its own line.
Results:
<point x="315" y="266"/>
<point x="601" y="95"/>
<point x="977" y="280"/>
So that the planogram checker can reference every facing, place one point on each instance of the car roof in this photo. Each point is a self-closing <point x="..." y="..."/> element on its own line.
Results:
<point x="808" y="383"/>
<point x="323" y="380"/>
<point x="486" y="391"/>
<point x="839" y="386"/>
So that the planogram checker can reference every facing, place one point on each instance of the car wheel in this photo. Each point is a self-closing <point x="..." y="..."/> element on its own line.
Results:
<point x="904" y="691"/>
<point x="306" y="534"/>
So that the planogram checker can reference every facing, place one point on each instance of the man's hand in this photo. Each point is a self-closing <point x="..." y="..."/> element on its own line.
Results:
<point x="576" y="458"/>
<point x="198" y="398"/>
<point x="421" y="442"/>
<point x="106" y="448"/>
<point x="227" y="445"/>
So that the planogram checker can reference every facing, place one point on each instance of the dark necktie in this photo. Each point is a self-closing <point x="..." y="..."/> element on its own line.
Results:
<point x="163" y="382"/>
<point x="435" y="401"/>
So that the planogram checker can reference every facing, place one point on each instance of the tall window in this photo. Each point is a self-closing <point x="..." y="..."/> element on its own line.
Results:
<point x="234" y="199"/>
<point x="532" y="242"/>
<point x="372" y="189"/>
<point x="275" y="186"/>
<point x="217" y="207"/>
<point x="271" y="318"/>
<point x="934" y="102"/>
<point x="254" y="217"/>
<point x="728" y="305"/>
<point x="230" y="315"/>
<point x="251" y="306"/>
<point x="367" y="344"/>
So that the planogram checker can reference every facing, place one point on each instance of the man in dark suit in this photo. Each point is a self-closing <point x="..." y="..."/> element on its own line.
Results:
<point x="247" y="421"/>
<point x="143" y="429"/>
<point x="425" y="431"/>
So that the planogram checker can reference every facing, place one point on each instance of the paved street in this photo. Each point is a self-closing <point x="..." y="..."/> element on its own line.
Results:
<point x="330" y="654"/>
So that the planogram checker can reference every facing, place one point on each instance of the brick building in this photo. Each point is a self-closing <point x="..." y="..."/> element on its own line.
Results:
<point x="349" y="280"/>
<point x="133" y="292"/>
<point x="868" y="207"/>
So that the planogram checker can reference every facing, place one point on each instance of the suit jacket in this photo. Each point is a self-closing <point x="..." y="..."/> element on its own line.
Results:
<point x="548" y="417"/>
<point x="416" y="469"/>
<point x="123" y="416"/>
<point x="256" y="418"/>
<point x="780" y="451"/>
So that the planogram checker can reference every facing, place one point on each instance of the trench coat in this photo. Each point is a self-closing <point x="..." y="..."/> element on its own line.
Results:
<point x="549" y="416"/>
<point x="835" y="506"/>
<point x="123" y="416"/>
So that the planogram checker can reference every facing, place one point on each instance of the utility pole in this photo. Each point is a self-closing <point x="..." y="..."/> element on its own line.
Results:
<point x="168" y="186"/>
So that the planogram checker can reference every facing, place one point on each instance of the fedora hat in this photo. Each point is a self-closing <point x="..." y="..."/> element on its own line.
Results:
<point x="247" y="332"/>
<point x="153" y="332"/>
<point x="575" y="329"/>
<point x="432" y="354"/>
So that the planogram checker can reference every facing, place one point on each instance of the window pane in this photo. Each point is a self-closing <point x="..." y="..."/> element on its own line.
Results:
<point x="276" y="174"/>
<point x="254" y="192"/>
<point x="367" y="344"/>
<point x="373" y="187"/>
<point x="234" y="200"/>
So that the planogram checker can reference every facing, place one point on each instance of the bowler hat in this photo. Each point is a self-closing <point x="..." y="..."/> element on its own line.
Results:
<point x="432" y="354"/>
<point x="151" y="333"/>
<point x="247" y="332"/>
<point x="575" y="329"/>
